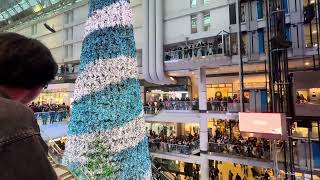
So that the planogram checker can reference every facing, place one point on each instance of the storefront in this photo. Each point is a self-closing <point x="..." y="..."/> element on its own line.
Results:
<point x="230" y="128"/>
<point x="311" y="95"/>
<point x="219" y="90"/>
<point x="219" y="169"/>
<point x="300" y="129"/>
<point x="182" y="90"/>
<point x="230" y="85"/>
<point x="176" y="129"/>
<point x="56" y="94"/>
<point x="156" y="95"/>
<point x="306" y="176"/>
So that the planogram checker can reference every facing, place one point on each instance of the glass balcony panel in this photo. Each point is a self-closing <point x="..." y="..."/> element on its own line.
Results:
<point x="54" y="1"/>
<point x="242" y="150"/>
<point x="24" y="5"/>
<point x="18" y="8"/>
<point x="181" y="105"/>
<point x="32" y="2"/>
<point x="52" y="116"/>
<point x="225" y="106"/>
<point x="151" y="110"/>
<point x="161" y="147"/>
<point x="214" y="46"/>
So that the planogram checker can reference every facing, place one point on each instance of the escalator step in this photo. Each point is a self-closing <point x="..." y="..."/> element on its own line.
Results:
<point x="65" y="174"/>
<point x="70" y="177"/>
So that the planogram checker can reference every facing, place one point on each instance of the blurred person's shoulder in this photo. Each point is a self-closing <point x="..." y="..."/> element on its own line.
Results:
<point x="16" y="121"/>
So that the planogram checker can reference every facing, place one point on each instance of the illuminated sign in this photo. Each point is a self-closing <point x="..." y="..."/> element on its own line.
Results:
<point x="267" y="125"/>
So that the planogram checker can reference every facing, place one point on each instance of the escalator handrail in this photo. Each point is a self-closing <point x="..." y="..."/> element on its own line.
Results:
<point x="164" y="168"/>
<point x="54" y="146"/>
<point x="159" y="173"/>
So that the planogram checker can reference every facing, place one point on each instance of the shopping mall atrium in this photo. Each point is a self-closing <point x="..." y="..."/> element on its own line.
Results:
<point x="230" y="89"/>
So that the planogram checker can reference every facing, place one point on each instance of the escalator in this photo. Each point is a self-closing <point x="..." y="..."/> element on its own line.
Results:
<point x="55" y="155"/>
<point x="159" y="172"/>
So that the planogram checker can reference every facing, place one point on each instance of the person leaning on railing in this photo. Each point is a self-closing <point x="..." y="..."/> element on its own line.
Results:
<point x="196" y="49"/>
<point x="183" y="144"/>
<point x="56" y="116"/>
<point x="249" y="147"/>
<point x="54" y="112"/>
<point x="26" y="67"/>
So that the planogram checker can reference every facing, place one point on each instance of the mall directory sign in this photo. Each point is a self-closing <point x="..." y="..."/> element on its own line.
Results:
<point x="264" y="125"/>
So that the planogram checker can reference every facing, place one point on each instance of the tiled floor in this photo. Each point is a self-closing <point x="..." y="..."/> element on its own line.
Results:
<point x="52" y="131"/>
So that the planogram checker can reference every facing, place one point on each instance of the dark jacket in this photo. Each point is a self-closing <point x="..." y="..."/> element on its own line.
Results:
<point x="23" y="153"/>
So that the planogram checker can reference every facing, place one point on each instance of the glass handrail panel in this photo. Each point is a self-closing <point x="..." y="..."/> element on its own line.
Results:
<point x="173" y="148"/>
<point x="24" y="5"/>
<point x="241" y="150"/>
<point x="33" y="2"/>
<point x="18" y="8"/>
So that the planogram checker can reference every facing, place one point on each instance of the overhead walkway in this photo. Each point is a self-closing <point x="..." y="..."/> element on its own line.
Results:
<point x="187" y="116"/>
<point x="175" y="117"/>
<point x="217" y="157"/>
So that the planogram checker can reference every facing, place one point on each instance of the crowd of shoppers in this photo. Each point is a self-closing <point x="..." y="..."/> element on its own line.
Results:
<point x="200" y="49"/>
<point x="247" y="172"/>
<point x="51" y="112"/>
<point x="249" y="147"/>
<point x="66" y="69"/>
<point x="183" y="144"/>
<point x="37" y="107"/>
<point x="218" y="103"/>
<point x="172" y="104"/>
<point x="301" y="99"/>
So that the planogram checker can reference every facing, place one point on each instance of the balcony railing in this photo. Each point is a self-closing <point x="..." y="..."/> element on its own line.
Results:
<point x="219" y="45"/>
<point x="307" y="109"/>
<point x="240" y="150"/>
<point x="67" y="71"/>
<point x="52" y="116"/>
<point x="55" y="152"/>
<point x="192" y="53"/>
<point x="151" y="110"/>
<point x="181" y="105"/>
<point x="224" y="106"/>
<point x="161" y="147"/>
<point x="217" y="106"/>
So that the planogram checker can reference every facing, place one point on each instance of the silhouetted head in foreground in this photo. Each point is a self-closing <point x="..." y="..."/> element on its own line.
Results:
<point x="26" y="67"/>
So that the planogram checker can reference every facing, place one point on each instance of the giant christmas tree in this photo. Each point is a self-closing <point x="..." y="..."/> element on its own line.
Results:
<point x="106" y="135"/>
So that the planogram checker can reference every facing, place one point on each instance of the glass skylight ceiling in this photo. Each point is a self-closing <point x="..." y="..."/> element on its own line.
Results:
<point x="13" y="10"/>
